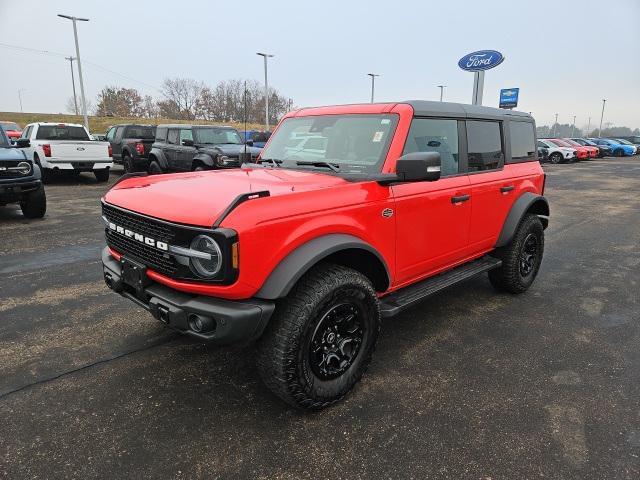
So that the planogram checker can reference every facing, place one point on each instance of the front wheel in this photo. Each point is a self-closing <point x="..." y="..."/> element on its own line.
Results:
<point x="521" y="258"/>
<point x="618" y="153"/>
<point x="102" y="175"/>
<point x="322" y="336"/>
<point x="154" y="168"/>
<point x="34" y="204"/>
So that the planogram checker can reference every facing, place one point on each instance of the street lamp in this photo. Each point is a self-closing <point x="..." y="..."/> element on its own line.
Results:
<point x="266" y="90"/>
<point x="75" y="35"/>
<point x="555" y="126"/>
<point x="73" y="84"/>
<point x="588" y="127"/>
<point x="20" y="97"/>
<point x="441" y="87"/>
<point x="373" y="83"/>
<point x="573" y="126"/>
<point x="604" y="100"/>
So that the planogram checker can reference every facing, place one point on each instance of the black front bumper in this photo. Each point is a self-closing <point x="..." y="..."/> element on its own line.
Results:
<point x="13" y="189"/>
<point x="232" y="320"/>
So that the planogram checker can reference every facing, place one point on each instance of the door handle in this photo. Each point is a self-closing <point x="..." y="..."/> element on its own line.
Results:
<point x="460" y="198"/>
<point x="507" y="189"/>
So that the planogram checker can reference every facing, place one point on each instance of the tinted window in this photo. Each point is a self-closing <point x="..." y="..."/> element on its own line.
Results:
<point x="484" y="141"/>
<point x="522" y="140"/>
<point x="118" y="135"/>
<point x="161" y="134"/>
<point x="110" y="134"/>
<point x="61" y="132"/>
<point x="139" y="131"/>
<point x="172" y="137"/>
<point x="217" y="136"/>
<point x="434" y="135"/>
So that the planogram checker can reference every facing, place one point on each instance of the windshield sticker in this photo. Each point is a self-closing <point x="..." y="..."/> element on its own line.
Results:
<point x="385" y="121"/>
<point x="377" y="137"/>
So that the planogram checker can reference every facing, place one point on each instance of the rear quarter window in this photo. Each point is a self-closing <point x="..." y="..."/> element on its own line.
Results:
<point x="161" y="134"/>
<point x="522" y="141"/>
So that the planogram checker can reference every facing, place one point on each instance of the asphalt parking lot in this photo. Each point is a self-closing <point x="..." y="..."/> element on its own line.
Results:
<point x="470" y="385"/>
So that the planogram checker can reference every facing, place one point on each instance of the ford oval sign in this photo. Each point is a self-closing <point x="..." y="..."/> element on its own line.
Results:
<point x="480" y="60"/>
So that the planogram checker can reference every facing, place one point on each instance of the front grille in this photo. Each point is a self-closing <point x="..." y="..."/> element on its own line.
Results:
<point x="11" y="173"/>
<point x="150" y="256"/>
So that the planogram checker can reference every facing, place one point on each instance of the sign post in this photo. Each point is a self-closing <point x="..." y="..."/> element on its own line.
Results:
<point x="478" y="62"/>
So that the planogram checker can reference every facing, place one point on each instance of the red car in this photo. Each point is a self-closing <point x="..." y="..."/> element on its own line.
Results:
<point x="594" y="152"/>
<point x="12" y="129"/>
<point x="352" y="213"/>
<point x="582" y="153"/>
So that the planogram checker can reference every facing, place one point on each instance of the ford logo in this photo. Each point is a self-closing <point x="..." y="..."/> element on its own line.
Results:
<point x="480" y="60"/>
<point x="80" y="149"/>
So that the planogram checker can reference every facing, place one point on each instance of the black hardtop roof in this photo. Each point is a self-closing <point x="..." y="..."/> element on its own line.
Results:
<point x="133" y="125"/>
<point x="425" y="108"/>
<point x="185" y="125"/>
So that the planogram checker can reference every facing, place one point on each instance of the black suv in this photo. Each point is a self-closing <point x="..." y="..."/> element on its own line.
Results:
<point x="20" y="179"/>
<point x="181" y="148"/>
<point x="130" y="145"/>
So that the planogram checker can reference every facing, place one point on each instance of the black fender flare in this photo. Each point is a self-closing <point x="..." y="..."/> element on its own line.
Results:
<point x="205" y="159"/>
<point x="159" y="154"/>
<point x="299" y="261"/>
<point x="527" y="203"/>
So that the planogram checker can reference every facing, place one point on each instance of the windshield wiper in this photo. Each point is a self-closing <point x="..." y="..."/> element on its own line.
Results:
<point x="276" y="162"/>
<point x="332" y="166"/>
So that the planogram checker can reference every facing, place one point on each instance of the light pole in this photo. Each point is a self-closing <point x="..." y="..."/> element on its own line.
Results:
<point x="373" y="83"/>
<point x="20" y="97"/>
<point x="266" y="90"/>
<point x="573" y="126"/>
<point x="75" y="35"/>
<point x="588" y="127"/>
<point x="604" y="100"/>
<point x="441" y="87"/>
<point x="555" y="126"/>
<point x="73" y="84"/>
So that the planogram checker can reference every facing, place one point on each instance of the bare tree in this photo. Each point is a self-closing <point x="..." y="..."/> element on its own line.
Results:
<point x="184" y="93"/>
<point x="71" y="108"/>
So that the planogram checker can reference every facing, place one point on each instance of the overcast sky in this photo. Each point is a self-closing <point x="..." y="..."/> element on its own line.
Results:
<point x="566" y="56"/>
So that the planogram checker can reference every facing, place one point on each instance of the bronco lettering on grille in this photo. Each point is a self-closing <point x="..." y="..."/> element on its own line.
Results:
<point x="152" y="242"/>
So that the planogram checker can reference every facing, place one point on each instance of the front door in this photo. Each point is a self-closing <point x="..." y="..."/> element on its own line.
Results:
<point x="170" y="148"/>
<point x="185" y="153"/>
<point x="432" y="218"/>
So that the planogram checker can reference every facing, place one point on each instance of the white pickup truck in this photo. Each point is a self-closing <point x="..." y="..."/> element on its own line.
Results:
<point x="67" y="147"/>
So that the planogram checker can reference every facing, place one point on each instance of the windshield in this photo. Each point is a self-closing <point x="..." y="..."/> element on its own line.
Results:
<point x="10" y="126"/>
<point x="217" y="136"/>
<point x="350" y="143"/>
<point x="590" y="143"/>
<point x="624" y="142"/>
<point x="573" y="143"/>
<point x="61" y="132"/>
<point x="560" y="143"/>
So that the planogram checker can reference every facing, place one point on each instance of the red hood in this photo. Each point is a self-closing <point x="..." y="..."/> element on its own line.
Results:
<point x="198" y="198"/>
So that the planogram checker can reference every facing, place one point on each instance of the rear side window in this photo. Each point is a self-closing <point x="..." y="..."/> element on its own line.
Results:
<point x="61" y="132"/>
<point x="172" y="137"/>
<point x="484" y="139"/>
<point x="522" y="141"/>
<point x="139" y="131"/>
<point x="161" y="134"/>
<point x="435" y="135"/>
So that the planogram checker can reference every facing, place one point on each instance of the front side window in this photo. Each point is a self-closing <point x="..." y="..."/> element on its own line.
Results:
<point x="4" y="141"/>
<point x="27" y="132"/>
<point x="435" y="135"/>
<point x="61" y="132"/>
<point x="111" y="134"/>
<point x="218" y="136"/>
<point x="484" y="140"/>
<point x="522" y="140"/>
<point x="351" y="143"/>
<point x="172" y="137"/>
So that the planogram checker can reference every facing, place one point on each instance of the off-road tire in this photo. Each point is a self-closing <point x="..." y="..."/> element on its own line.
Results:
<point x="155" y="168"/>
<point x="284" y="351"/>
<point x="555" y="158"/>
<point x="34" y="204"/>
<point x="102" y="175"/>
<point x="509" y="277"/>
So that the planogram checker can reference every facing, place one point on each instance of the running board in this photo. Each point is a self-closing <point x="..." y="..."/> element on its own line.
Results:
<point x="406" y="297"/>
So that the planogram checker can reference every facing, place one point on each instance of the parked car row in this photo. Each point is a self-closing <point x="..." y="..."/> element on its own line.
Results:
<point x="558" y="150"/>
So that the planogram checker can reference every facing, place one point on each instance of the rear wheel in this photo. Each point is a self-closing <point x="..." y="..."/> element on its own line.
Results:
<point x="322" y="336"/>
<point x="521" y="258"/>
<point x="555" y="158"/>
<point x="46" y="174"/>
<point x="34" y="204"/>
<point x="102" y="175"/>
<point x="127" y="163"/>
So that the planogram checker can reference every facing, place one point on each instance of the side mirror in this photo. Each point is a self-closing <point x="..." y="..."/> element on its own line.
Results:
<point x="23" y="143"/>
<point x="187" y="143"/>
<point x="249" y="143"/>
<point x="418" y="167"/>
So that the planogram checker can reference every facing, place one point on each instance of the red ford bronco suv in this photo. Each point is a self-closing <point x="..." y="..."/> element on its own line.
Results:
<point x="352" y="213"/>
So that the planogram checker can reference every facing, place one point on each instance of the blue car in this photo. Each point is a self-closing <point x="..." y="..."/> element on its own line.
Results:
<point x="258" y="138"/>
<point x="617" y="149"/>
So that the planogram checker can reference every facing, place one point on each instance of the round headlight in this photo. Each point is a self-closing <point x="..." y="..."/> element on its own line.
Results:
<point x="206" y="267"/>
<point x="24" y="168"/>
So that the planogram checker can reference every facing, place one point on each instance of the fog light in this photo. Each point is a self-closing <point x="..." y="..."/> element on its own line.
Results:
<point x="201" y="324"/>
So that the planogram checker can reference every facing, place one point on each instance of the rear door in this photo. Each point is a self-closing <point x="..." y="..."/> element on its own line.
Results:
<point x="116" y="144"/>
<point x="432" y="218"/>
